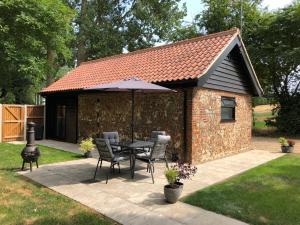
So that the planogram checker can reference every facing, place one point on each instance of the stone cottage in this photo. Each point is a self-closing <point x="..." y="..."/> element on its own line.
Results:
<point x="210" y="115"/>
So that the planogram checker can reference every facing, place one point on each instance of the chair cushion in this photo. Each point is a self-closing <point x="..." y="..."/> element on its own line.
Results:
<point x="104" y="148"/>
<point x="141" y="150"/>
<point x="159" y="148"/>
<point x="155" y="133"/>
<point x="163" y="139"/>
<point x="121" y="157"/>
<point x="112" y="136"/>
<point x="143" y="155"/>
<point x="116" y="148"/>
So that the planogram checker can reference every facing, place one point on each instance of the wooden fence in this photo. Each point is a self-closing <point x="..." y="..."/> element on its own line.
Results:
<point x="13" y="120"/>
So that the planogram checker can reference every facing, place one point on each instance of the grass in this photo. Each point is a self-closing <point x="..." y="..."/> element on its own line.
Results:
<point x="259" y="119"/>
<point x="268" y="194"/>
<point x="260" y="125"/>
<point x="26" y="203"/>
<point x="263" y="114"/>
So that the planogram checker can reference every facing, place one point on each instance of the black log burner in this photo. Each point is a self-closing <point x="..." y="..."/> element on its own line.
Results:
<point x="31" y="152"/>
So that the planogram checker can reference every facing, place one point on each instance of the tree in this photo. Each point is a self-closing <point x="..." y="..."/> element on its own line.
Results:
<point x="221" y="15"/>
<point x="109" y="27"/>
<point x="185" y="31"/>
<point x="151" y="21"/>
<point x="34" y="38"/>
<point x="277" y="61"/>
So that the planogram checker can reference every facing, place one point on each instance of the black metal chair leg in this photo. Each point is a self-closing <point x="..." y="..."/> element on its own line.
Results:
<point x="151" y="170"/>
<point x="107" y="177"/>
<point x="109" y="171"/>
<point x="30" y="166"/>
<point x="97" y="168"/>
<point x="101" y="164"/>
<point x="37" y="164"/>
<point x="119" y="167"/>
<point x="130" y="163"/>
<point x="133" y="166"/>
<point x="23" y="165"/>
<point x="167" y="165"/>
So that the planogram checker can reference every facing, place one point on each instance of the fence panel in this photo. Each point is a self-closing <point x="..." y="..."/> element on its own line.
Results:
<point x="35" y="113"/>
<point x="14" y="120"/>
<point x="12" y="123"/>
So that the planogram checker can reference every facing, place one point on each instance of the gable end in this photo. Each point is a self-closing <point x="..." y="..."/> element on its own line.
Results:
<point x="232" y="72"/>
<point x="230" y="75"/>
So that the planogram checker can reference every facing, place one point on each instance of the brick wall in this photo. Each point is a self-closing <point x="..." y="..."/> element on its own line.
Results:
<point x="111" y="111"/>
<point x="212" y="139"/>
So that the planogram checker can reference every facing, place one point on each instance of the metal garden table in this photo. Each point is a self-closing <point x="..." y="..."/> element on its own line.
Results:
<point x="134" y="147"/>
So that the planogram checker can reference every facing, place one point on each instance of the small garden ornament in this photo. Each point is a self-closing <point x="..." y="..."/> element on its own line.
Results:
<point x="287" y="146"/>
<point x="86" y="146"/>
<point x="177" y="172"/>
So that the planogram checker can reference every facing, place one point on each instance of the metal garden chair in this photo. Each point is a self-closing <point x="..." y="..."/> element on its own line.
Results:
<point x="158" y="152"/>
<point x="106" y="154"/>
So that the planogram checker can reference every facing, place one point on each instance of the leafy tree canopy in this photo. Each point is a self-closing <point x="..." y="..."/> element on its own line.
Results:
<point x="277" y="61"/>
<point x="112" y="26"/>
<point x="277" y="51"/>
<point x="221" y="15"/>
<point x="29" y="29"/>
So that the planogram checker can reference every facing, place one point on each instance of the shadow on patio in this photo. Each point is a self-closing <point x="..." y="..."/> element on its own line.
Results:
<point x="131" y="201"/>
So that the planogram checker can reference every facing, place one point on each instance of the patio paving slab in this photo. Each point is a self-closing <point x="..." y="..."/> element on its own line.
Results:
<point x="139" y="201"/>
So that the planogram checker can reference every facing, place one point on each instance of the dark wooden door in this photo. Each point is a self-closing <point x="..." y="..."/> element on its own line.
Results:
<point x="61" y="118"/>
<point x="60" y="124"/>
<point x="71" y="123"/>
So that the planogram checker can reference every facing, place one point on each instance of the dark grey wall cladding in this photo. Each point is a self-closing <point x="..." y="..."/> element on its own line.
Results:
<point x="230" y="75"/>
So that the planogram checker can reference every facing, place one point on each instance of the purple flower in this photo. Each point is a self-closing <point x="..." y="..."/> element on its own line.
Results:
<point x="185" y="170"/>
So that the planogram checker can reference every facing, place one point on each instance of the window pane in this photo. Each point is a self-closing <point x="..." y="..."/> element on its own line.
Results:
<point x="227" y="113"/>
<point x="228" y="102"/>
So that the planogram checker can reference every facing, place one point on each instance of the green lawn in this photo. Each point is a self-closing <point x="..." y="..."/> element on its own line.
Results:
<point x="259" y="119"/>
<point x="260" y="125"/>
<point x="23" y="202"/>
<point x="268" y="194"/>
<point x="263" y="114"/>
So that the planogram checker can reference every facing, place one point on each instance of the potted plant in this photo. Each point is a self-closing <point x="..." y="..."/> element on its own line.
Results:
<point x="179" y="171"/>
<point x="287" y="146"/>
<point x="86" y="146"/>
<point x="172" y="190"/>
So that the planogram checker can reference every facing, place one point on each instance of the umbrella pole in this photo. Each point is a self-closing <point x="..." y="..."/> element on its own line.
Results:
<point x="132" y="114"/>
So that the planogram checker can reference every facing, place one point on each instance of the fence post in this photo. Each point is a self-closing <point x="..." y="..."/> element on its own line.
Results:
<point x="25" y="122"/>
<point x="44" y="134"/>
<point x="1" y="124"/>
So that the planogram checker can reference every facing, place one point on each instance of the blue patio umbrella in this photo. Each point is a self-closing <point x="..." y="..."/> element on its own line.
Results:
<point x="132" y="85"/>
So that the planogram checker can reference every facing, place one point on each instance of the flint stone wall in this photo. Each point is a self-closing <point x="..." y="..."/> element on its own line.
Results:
<point x="212" y="138"/>
<point x="207" y="137"/>
<point x="111" y="111"/>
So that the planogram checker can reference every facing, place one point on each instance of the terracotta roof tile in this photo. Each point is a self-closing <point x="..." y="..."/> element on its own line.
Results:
<point x="187" y="59"/>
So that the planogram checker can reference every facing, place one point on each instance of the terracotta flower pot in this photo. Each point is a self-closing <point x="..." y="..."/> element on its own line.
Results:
<point x="172" y="193"/>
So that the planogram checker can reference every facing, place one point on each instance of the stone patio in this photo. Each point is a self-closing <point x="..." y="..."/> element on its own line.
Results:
<point x="139" y="201"/>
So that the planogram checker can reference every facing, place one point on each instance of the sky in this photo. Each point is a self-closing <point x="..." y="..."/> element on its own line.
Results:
<point x="194" y="6"/>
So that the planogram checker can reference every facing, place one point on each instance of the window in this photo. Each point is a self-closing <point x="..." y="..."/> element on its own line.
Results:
<point x="227" y="109"/>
